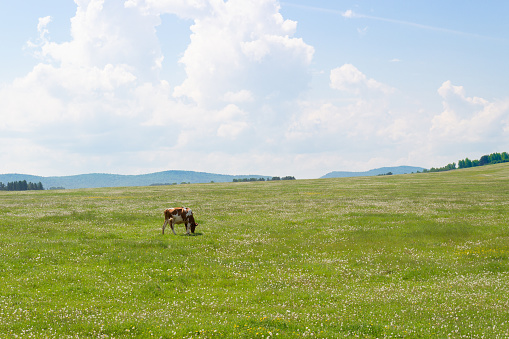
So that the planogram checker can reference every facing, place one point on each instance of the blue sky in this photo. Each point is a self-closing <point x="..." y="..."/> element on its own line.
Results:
<point x="268" y="87"/>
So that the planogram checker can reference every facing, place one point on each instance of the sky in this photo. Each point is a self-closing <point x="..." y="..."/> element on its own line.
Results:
<point x="294" y="87"/>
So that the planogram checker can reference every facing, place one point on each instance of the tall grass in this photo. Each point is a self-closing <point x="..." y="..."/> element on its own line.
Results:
<point x="422" y="255"/>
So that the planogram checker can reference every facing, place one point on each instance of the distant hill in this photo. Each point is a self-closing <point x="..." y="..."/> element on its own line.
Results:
<point x="95" y="180"/>
<point x="373" y="172"/>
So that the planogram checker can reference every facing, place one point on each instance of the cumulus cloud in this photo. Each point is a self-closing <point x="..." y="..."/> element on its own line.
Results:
<point x="231" y="129"/>
<point x="188" y="9"/>
<point x="240" y="96"/>
<point x="348" y="78"/>
<point x="107" y="32"/>
<point x="371" y="119"/>
<point x="98" y="102"/>
<point x="334" y="135"/>
<point x="243" y="44"/>
<point x="469" y="119"/>
<point x="359" y="124"/>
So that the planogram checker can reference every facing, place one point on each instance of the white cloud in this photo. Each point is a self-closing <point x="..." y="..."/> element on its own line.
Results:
<point x="469" y="119"/>
<point x="243" y="95"/>
<point x="82" y="98"/>
<point x="359" y="126"/>
<point x="230" y="112"/>
<point x="189" y="9"/>
<point x="235" y="45"/>
<point x="107" y="32"/>
<point x="398" y="129"/>
<point x="243" y="44"/>
<point x="378" y="122"/>
<point x="348" y="78"/>
<point x="232" y="129"/>
<point x="41" y="27"/>
<point x="348" y="14"/>
<point x="98" y="99"/>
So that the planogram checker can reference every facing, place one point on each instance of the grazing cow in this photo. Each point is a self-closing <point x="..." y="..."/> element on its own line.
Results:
<point x="179" y="215"/>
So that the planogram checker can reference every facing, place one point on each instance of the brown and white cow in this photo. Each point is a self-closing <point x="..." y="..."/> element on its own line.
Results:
<point x="179" y="215"/>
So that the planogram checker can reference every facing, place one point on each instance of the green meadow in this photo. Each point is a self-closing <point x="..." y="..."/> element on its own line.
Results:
<point x="406" y="256"/>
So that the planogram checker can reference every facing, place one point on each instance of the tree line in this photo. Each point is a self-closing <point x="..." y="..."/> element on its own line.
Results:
<point x="263" y="179"/>
<point x="21" y="186"/>
<point x="493" y="158"/>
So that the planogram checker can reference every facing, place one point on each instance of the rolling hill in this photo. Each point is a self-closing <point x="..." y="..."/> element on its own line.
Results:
<point x="377" y="171"/>
<point x="96" y="180"/>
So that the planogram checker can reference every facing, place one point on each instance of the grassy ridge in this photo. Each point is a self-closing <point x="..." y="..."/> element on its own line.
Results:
<point x="398" y="256"/>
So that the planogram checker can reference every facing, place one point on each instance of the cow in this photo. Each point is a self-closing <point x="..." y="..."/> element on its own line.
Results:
<point x="179" y="215"/>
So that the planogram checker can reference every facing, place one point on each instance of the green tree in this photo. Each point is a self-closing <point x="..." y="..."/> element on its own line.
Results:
<point x="485" y="159"/>
<point x="495" y="158"/>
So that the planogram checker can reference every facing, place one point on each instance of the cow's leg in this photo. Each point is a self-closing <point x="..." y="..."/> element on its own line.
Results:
<point x="164" y="225"/>
<point x="188" y="228"/>
<point x="171" y="225"/>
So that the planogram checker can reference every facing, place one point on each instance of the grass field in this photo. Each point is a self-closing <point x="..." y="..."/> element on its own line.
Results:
<point x="421" y="255"/>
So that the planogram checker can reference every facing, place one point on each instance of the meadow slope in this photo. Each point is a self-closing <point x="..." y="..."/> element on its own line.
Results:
<point x="418" y="255"/>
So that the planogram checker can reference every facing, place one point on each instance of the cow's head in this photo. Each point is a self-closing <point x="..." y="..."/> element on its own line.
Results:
<point x="193" y="226"/>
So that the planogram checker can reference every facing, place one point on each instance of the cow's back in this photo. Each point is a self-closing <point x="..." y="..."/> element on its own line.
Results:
<point x="179" y="214"/>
